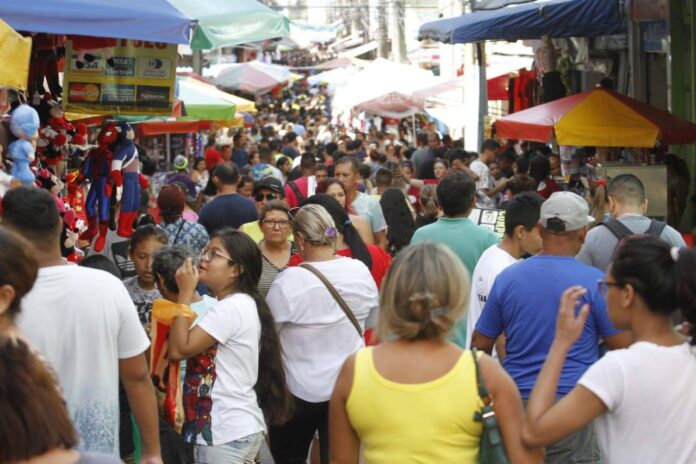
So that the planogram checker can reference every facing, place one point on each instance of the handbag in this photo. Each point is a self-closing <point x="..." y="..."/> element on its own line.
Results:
<point x="491" y="448"/>
<point x="341" y="302"/>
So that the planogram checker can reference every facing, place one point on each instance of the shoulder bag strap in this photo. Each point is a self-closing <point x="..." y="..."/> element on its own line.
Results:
<point x="480" y="384"/>
<point x="341" y="302"/>
<point x="178" y="231"/>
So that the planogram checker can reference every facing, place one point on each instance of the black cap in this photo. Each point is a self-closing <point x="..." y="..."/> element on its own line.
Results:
<point x="271" y="183"/>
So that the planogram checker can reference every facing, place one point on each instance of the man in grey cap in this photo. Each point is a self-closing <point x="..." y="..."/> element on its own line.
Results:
<point x="182" y="176"/>
<point x="523" y="304"/>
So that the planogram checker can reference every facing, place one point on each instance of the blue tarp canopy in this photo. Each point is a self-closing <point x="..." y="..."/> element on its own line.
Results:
<point x="557" y="18"/>
<point x="150" y="20"/>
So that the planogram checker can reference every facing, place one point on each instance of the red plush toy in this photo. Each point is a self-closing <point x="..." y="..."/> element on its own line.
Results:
<point x="85" y="46"/>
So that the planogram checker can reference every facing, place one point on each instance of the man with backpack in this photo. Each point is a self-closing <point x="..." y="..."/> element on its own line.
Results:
<point x="627" y="207"/>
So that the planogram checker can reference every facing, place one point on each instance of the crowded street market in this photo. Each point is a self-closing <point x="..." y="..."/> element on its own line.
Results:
<point x="382" y="232"/>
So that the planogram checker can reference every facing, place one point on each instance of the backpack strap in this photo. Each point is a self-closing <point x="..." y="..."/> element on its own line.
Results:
<point x="656" y="227"/>
<point x="617" y="228"/>
<point x="296" y="189"/>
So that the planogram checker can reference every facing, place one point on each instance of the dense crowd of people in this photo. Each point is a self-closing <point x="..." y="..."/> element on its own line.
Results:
<point x="320" y="290"/>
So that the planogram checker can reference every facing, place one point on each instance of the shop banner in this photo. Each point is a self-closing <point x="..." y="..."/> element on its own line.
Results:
<point x="491" y="219"/>
<point x="133" y="77"/>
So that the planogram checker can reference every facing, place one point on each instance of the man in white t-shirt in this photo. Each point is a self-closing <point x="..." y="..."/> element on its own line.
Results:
<point x="521" y="237"/>
<point x="347" y="171"/>
<point x="486" y="184"/>
<point x="84" y="323"/>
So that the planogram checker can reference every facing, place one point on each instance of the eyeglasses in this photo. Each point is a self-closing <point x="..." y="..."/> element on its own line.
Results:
<point x="603" y="286"/>
<point x="267" y="196"/>
<point x="207" y="255"/>
<point x="273" y="223"/>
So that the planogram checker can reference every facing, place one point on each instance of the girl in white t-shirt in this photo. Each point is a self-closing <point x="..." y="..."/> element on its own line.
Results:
<point x="234" y="379"/>
<point x="641" y="398"/>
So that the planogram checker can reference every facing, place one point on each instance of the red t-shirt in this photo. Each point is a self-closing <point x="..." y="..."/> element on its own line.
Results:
<point x="291" y="197"/>
<point x="212" y="158"/>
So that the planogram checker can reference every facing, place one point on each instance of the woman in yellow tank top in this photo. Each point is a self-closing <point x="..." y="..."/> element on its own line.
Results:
<point x="412" y="399"/>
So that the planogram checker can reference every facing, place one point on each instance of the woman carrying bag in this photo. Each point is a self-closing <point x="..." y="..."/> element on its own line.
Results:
<point x="320" y="309"/>
<point x="414" y="398"/>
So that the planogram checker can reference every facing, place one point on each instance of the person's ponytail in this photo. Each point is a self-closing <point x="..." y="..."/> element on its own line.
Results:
<point x="271" y="388"/>
<point x="357" y="246"/>
<point x="686" y="286"/>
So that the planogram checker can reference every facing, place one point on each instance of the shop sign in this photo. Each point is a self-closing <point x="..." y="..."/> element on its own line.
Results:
<point x="654" y="36"/>
<point x="491" y="219"/>
<point x="648" y="10"/>
<point x="139" y="80"/>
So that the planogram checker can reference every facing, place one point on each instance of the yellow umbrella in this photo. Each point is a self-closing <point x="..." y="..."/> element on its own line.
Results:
<point x="15" y="52"/>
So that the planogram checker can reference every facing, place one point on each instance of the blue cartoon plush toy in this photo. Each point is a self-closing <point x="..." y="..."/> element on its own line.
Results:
<point x="25" y="126"/>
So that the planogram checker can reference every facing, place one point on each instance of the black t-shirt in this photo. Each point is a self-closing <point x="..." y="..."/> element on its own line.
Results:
<point x="231" y="210"/>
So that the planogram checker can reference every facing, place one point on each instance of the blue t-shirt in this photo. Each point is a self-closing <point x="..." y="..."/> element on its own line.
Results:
<point x="523" y="304"/>
<point x="230" y="210"/>
<point x="240" y="158"/>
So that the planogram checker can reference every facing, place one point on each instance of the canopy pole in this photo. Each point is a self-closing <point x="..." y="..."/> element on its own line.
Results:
<point x="413" y="129"/>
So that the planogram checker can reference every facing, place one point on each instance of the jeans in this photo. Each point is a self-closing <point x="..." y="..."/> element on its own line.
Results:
<point x="240" y="451"/>
<point x="290" y="442"/>
<point x="578" y="447"/>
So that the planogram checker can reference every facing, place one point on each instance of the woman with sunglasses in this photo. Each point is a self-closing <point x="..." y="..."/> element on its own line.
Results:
<point x="642" y="398"/>
<point x="234" y="381"/>
<point x="276" y="247"/>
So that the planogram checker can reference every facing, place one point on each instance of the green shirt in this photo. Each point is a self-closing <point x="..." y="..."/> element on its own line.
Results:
<point x="468" y="241"/>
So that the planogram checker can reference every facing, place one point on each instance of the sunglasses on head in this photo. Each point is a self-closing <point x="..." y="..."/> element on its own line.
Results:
<point x="266" y="196"/>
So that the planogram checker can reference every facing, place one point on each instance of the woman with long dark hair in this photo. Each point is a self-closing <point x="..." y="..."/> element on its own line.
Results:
<point x="234" y="380"/>
<point x="400" y="223"/>
<point x="640" y="399"/>
<point x="334" y="188"/>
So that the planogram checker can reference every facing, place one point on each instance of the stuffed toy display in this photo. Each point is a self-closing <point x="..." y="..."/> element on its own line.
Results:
<point x="72" y="225"/>
<point x="25" y="126"/>
<point x="86" y="46"/>
<point x="97" y="169"/>
<point x="56" y="131"/>
<point x="125" y="171"/>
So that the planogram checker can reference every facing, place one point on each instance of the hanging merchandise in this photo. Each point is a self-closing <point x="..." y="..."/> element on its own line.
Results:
<point x="15" y="52"/>
<point x="107" y="76"/>
<point x="25" y="126"/>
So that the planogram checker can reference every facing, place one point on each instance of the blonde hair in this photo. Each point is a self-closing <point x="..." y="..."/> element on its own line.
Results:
<point x="315" y="225"/>
<point x="599" y="204"/>
<point x="424" y="293"/>
<point x="428" y="201"/>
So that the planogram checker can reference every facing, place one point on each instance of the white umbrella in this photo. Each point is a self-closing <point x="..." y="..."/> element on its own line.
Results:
<point x="334" y="78"/>
<point x="390" y="89"/>
<point x="254" y="76"/>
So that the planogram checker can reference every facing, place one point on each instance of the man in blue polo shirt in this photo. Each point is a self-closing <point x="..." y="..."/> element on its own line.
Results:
<point x="523" y="304"/>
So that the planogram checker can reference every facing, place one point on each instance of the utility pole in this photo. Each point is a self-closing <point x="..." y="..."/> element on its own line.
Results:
<point x="398" y="29"/>
<point x="383" y="33"/>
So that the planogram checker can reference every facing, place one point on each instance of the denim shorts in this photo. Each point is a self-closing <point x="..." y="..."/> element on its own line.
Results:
<point x="240" y="451"/>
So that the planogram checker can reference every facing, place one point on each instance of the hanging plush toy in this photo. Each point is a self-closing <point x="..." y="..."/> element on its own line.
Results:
<point x="125" y="171"/>
<point x="25" y="126"/>
<point x="97" y="168"/>
<point x="86" y="46"/>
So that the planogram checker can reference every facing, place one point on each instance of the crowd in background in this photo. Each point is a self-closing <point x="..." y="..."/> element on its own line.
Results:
<point x="315" y="288"/>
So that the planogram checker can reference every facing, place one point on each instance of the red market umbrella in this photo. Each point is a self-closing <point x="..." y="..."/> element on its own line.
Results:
<point x="598" y="117"/>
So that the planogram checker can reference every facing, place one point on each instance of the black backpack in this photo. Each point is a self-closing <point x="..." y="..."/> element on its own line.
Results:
<point x="620" y="231"/>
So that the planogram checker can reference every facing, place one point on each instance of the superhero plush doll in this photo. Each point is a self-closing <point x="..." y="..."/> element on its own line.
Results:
<point x="97" y="169"/>
<point x="125" y="171"/>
